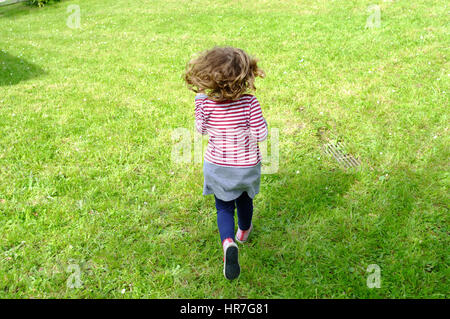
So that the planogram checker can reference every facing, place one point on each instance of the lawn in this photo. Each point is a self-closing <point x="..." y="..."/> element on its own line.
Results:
<point x="92" y="204"/>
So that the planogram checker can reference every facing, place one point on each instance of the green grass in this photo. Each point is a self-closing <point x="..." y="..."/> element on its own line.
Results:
<point x="86" y="176"/>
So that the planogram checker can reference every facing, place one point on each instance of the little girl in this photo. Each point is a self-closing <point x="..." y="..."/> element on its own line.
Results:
<point x="234" y="122"/>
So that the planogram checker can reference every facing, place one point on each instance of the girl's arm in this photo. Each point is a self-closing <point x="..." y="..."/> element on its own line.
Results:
<point x="199" y="113"/>
<point x="258" y="125"/>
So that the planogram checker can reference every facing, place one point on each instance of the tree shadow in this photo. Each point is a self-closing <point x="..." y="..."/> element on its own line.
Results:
<point x="13" y="10"/>
<point x="15" y="69"/>
<point x="22" y="8"/>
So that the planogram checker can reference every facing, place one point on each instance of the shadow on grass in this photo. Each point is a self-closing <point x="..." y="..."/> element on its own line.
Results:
<point x="14" y="69"/>
<point x="17" y="9"/>
<point x="307" y="192"/>
<point x="22" y="8"/>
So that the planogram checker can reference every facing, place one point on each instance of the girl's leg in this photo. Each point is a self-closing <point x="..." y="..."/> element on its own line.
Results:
<point x="244" y="206"/>
<point x="225" y="218"/>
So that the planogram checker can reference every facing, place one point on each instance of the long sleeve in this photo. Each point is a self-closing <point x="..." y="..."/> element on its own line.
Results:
<point x="258" y="125"/>
<point x="199" y="114"/>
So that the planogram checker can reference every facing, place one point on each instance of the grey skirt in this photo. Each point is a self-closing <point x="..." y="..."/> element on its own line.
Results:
<point x="228" y="183"/>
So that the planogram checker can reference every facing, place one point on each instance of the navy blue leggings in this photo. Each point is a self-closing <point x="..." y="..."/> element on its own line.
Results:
<point x="225" y="215"/>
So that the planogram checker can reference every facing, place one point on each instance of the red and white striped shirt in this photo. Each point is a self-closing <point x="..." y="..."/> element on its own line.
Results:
<point x="234" y="129"/>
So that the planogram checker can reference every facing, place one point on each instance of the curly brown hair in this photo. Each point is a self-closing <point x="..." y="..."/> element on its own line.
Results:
<point x="223" y="73"/>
